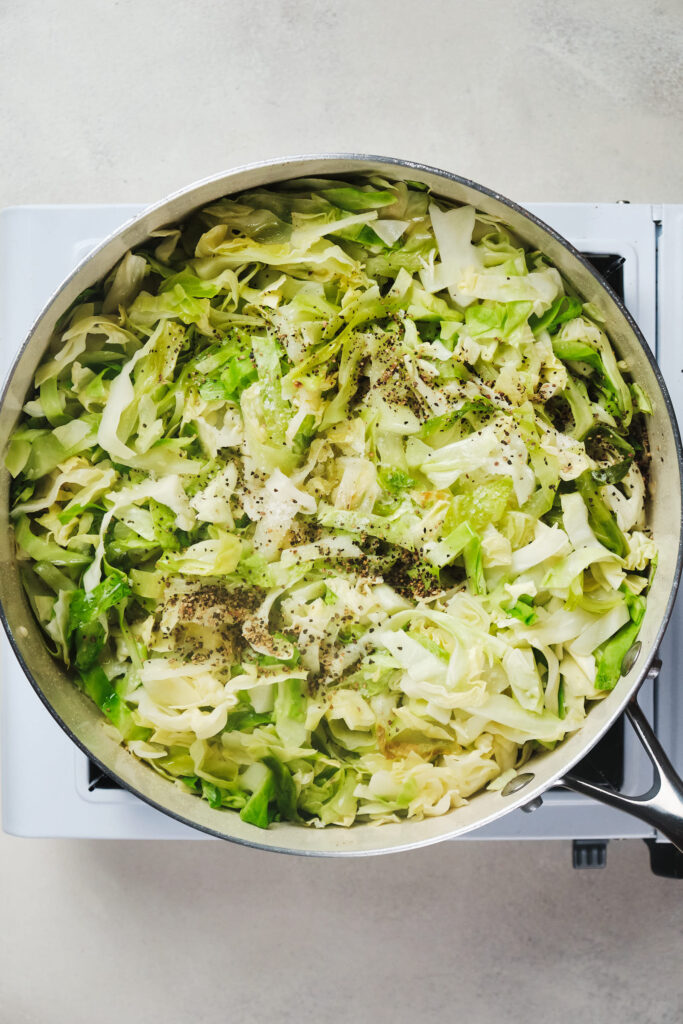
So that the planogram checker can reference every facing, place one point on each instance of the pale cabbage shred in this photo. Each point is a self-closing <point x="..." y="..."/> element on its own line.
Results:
<point x="291" y="502"/>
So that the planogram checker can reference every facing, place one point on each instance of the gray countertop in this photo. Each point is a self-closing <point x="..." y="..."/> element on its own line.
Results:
<point x="125" y="101"/>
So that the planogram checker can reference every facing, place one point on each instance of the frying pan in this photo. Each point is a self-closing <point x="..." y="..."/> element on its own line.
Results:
<point x="661" y="807"/>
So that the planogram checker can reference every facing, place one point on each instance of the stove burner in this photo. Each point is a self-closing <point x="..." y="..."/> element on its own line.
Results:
<point x="97" y="779"/>
<point x="610" y="267"/>
<point x="605" y="762"/>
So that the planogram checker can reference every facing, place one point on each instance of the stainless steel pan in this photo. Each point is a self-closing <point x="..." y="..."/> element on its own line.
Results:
<point x="662" y="807"/>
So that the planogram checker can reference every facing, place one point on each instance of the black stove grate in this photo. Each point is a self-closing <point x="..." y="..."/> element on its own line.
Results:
<point x="610" y="267"/>
<point x="98" y="779"/>
<point x="605" y="762"/>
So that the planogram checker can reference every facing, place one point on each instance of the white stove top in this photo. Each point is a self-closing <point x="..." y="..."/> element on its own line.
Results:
<point x="45" y="777"/>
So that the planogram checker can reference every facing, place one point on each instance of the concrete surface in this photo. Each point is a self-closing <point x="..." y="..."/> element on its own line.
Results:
<point x="120" y="101"/>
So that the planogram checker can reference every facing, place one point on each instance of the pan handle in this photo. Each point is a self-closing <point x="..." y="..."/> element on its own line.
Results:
<point x="662" y="805"/>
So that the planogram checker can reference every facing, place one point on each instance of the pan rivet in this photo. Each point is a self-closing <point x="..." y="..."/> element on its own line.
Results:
<point x="533" y="805"/>
<point x="519" y="782"/>
<point x="630" y="658"/>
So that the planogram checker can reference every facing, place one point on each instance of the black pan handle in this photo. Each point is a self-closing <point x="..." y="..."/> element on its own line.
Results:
<point x="662" y="805"/>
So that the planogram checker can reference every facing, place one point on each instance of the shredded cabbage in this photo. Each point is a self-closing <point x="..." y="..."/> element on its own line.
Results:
<point x="334" y="501"/>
